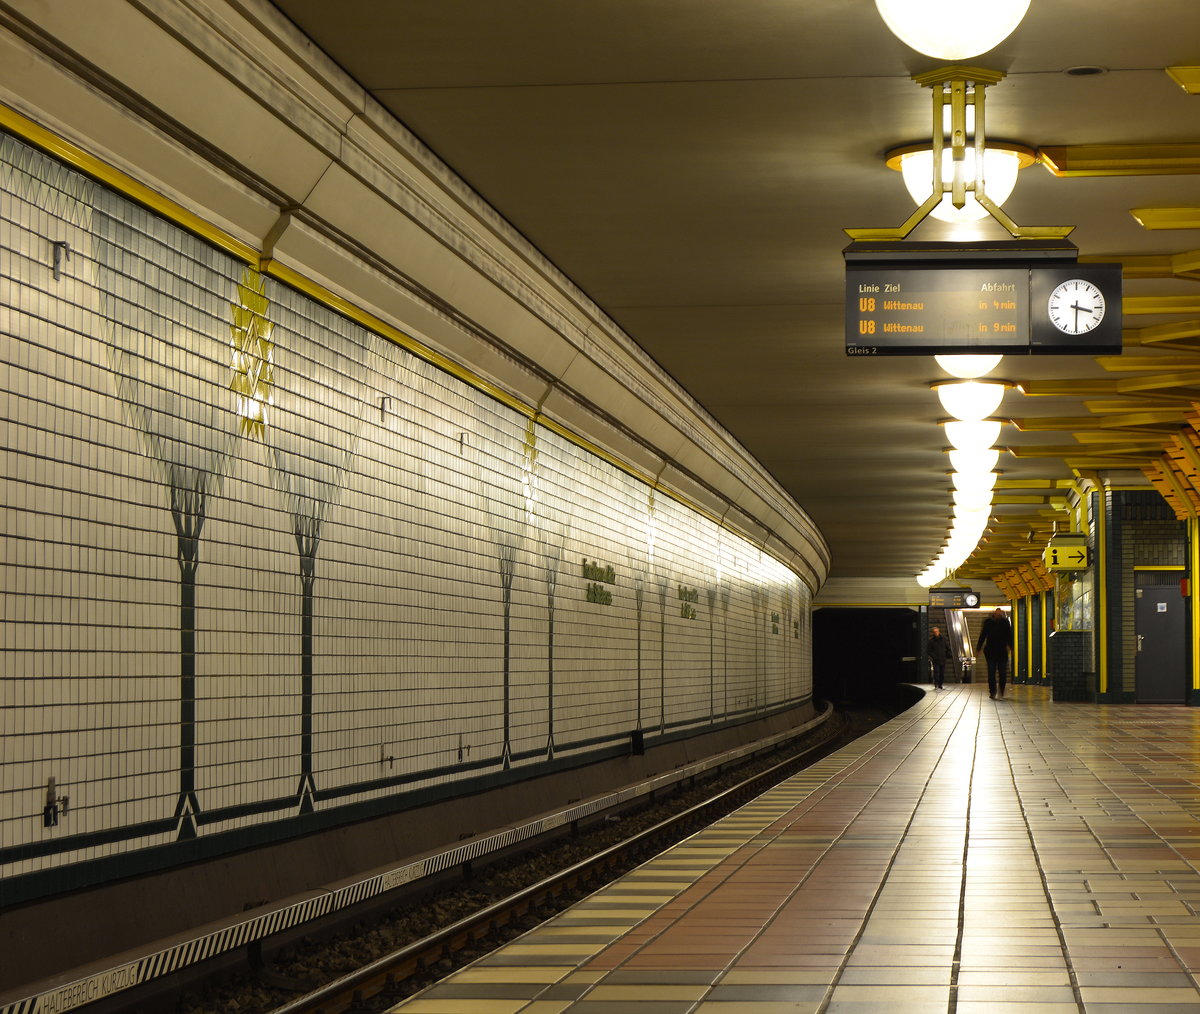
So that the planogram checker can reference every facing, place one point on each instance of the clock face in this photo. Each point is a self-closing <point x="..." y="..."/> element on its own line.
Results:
<point x="1075" y="306"/>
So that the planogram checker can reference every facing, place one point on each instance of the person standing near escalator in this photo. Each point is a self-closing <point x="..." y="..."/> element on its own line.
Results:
<point x="938" y="650"/>
<point x="996" y="642"/>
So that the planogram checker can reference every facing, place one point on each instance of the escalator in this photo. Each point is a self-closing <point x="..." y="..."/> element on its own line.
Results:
<point x="957" y="627"/>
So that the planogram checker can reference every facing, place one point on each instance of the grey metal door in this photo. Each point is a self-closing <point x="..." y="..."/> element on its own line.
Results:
<point x="1161" y="621"/>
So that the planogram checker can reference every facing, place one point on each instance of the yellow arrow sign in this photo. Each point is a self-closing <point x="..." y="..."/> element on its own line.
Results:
<point x="1064" y="554"/>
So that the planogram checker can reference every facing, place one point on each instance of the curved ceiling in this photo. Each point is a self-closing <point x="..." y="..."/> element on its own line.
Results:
<point x="692" y="167"/>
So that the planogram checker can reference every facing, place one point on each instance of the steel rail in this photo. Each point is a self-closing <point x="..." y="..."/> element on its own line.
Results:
<point x="347" y="991"/>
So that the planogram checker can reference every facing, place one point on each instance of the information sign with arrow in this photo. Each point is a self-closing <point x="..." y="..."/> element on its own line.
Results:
<point x="1066" y="552"/>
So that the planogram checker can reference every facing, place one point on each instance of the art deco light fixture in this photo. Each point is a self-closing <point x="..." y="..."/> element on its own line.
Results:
<point x="1001" y="163"/>
<point x="958" y="175"/>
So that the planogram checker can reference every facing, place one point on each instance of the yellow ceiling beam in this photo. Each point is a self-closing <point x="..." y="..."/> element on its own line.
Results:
<point x="1074" y="450"/>
<point x="1142" y="266"/>
<point x="1188" y="78"/>
<point x="1042" y="450"/>
<point x="1190" y="452"/>
<point x="1093" y="464"/>
<point x="1111" y="438"/>
<point x="1068" y="388"/>
<point x="1186" y="264"/>
<point x="1145" y="364"/>
<point x="1165" y="410"/>
<point x="1158" y="417"/>
<point x="1166" y="218"/>
<point x="1158" y="381"/>
<point x="1003" y="483"/>
<point x="1179" y="334"/>
<point x="1110" y="416"/>
<point x="1172" y="481"/>
<point x="1050" y="424"/>
<point x="1077" y="160"/>
<point x="1163" y="304"/>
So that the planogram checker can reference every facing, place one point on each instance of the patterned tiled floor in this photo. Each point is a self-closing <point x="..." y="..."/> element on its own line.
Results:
<point x="971" y="856"/>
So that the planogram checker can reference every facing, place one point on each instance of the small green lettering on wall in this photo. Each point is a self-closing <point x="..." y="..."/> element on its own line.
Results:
<point x="595" y="572"/>
<point x="599" y="594"/>
<point x="774" y="623"/>
<point x="688" y="597"/>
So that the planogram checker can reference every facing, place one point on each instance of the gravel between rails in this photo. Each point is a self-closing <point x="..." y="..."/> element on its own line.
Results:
<point x="313" y="961"/>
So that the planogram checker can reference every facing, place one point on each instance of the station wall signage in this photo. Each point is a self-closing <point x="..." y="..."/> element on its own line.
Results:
<point x="1020" y="298"/>
<point x="1066" y="552"/>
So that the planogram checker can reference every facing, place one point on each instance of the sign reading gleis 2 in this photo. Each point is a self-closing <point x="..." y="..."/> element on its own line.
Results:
<point x="999" y="300"/>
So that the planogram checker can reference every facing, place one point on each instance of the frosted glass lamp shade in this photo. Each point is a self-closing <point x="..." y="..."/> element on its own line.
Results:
<point x="968" y="436"/>
<point x="952" y="29"/>
<point x="974" y="460"/>
<point x="970" y="400"/>
<point x="973" y="499"/>
<point x="974" y="482"/>
<point x="968" y="367"/>
<point x="1000" y="168"/>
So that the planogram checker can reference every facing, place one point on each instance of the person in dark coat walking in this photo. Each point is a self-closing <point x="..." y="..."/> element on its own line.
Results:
<point x="938" y="650"/>
<point x="996" y="641"/>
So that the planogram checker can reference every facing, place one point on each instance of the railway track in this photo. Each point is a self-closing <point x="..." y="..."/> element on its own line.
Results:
<point x="407" y="969"/>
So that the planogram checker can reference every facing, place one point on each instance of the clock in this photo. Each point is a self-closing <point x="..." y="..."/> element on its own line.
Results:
<point x="971" y="599"/>
<point x="1076" y="306"/>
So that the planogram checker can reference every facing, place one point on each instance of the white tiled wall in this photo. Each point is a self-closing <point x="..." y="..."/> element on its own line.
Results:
<point x="446" y="526"/>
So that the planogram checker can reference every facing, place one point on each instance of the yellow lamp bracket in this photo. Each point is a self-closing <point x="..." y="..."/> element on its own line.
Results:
<point x="955" y="89"/>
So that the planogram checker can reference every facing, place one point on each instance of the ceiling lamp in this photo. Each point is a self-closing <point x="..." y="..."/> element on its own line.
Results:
<point x="952" y="29"/>
<point x="973" y="499"/>
<point x="1001" y="162"/>
<point x="966" y="183"/>
<point x="970" y="519"/>
<point x="968" y="436"/>
<point x="968" y="367"/>
<point x="970" y="400"/>
<point x="974" y="460"/>
<point x="974" y="482"/>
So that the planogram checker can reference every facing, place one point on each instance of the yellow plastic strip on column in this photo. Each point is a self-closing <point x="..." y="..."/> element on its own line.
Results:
<point x="1101" y="617"/>
<point x="1193" y="530"/>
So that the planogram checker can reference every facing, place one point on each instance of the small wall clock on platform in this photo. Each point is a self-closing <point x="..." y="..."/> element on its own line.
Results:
<point x="1076" y="306"/>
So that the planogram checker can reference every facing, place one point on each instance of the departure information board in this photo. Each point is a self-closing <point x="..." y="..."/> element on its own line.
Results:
<point x="990" y="301"/>
<point x="939" y="308"/>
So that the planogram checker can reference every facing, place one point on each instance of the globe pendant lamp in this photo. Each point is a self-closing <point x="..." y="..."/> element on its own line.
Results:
<point x="967" y="436"/>
<point x="1001" y="163"/>
<point x="970" y="400"/>
<point x="952" y="29"/>
<point x="968" y="367"/>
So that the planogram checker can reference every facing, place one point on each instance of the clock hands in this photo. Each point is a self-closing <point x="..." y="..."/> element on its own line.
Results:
<point x="1077" y="308"/>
